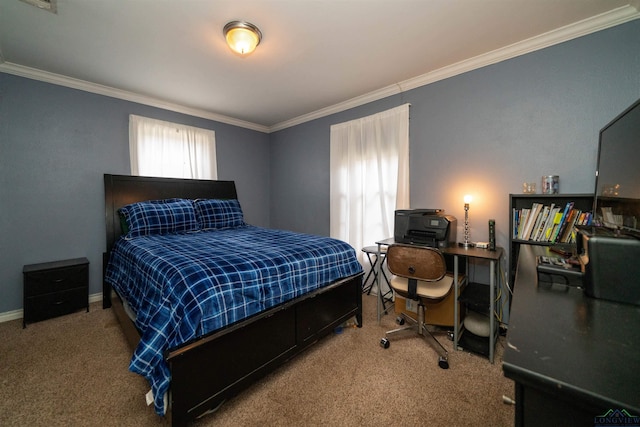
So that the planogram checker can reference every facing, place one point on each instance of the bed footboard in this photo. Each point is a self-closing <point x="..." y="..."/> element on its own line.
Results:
<point x="211" y="370"/>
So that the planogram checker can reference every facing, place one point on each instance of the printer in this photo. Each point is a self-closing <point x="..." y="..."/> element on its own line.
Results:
<point x="429" y="227"/>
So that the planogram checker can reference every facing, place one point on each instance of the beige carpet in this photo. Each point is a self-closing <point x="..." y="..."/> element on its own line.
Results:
<point x="72" y="370"/>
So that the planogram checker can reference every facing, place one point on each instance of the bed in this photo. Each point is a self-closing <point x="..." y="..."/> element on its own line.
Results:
<point x="210" y="356"/>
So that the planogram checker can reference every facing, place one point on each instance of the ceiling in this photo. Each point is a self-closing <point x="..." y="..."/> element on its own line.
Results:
<point x="316" y="56"/>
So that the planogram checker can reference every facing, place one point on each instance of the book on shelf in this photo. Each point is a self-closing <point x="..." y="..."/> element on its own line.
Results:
<point x="548" y="223"/>
<point x="585" y="218"/>
<point x="565" y="234"/>
<point x="551" y="219"/>
<point x="541" y="222"/>
<point x="563" y="222"/>
<point x="531" y="220"/>
<point x="522" y="218"/>
<point x="553" y="227"/>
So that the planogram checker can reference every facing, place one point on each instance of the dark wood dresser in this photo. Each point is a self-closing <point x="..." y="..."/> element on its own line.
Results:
<point x="575" y="360"/>
<point x="55" y="288"/>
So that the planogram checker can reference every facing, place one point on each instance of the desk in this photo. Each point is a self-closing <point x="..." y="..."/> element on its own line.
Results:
<point x="493" y="257"/>
<point x="457" y="251"/>
<point x="572" y="357"/>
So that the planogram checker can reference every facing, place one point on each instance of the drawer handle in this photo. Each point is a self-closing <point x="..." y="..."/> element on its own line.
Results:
<point x="58" y="280"/>
<point x="59" y="302"/>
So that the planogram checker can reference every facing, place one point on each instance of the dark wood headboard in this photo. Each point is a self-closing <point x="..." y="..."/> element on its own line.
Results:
<point x="121" y="190"/>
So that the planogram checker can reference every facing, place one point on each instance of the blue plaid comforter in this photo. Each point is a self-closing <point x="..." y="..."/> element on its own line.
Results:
<point x="182" y="286"/>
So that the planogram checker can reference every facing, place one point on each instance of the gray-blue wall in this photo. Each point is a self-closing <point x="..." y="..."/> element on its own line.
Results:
<point x="55" y="145"/>
<point x="484" y="132"/>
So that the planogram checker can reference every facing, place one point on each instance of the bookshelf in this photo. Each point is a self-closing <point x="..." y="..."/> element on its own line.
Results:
<point x="544" y="237"/>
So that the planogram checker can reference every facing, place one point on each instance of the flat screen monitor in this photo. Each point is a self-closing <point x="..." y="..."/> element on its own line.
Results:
<point x="617" y="196"/>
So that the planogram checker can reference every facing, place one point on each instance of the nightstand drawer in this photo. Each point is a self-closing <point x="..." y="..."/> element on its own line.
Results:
<point x="54" y="280"/>
<point x="55" y="288"/>
<point x="55" y="304"/>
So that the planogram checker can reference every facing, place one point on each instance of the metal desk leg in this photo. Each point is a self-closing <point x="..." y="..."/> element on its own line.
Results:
<point x="456" y="320"/>
<point x="492" y="320"/>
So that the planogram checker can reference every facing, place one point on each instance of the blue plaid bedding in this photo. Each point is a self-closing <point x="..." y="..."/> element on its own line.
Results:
<point x="182" y="286"/>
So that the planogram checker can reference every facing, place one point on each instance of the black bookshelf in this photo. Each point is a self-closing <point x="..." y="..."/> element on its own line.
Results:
<point x="583" y="202"/>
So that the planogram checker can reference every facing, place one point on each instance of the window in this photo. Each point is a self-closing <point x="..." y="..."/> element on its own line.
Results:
<point x="171" y="150"/>
<point x="369" y="176"/>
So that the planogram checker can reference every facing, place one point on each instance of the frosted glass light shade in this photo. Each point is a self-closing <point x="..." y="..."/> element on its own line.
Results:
<point x="242" y="37"/>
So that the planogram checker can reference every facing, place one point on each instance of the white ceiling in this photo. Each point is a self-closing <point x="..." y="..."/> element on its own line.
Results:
<point x="316" y="56"/>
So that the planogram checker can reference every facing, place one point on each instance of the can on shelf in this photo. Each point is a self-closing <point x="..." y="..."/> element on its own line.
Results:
<point x="550" y="184"/>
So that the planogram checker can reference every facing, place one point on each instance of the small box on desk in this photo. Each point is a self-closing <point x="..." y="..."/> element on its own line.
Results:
<point x="436" y="313"/>
<point x="558" y="270"/>
<point x="611" y="263"/>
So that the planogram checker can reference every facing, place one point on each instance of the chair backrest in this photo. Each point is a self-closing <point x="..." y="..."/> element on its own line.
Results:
<point x="416" y="262"/>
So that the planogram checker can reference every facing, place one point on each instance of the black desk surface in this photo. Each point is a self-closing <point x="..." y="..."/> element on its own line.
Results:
<point x="455" y="249"/>
<point x="565" y="343"/>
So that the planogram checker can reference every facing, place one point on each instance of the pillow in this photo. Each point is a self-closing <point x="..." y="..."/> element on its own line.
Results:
<point x="219" y="213"/>
<point x="159" y="217"/>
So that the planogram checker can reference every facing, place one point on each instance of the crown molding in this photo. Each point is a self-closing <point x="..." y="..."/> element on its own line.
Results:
<point x="58" y="79"/>
<point x="594" y="24"/>
<point x="579" y="29"/>
<point x="346" y="105"/>
<point x="591" y="25"/>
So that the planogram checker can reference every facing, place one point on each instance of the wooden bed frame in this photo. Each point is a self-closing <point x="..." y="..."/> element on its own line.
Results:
<point x="208" y="371"/>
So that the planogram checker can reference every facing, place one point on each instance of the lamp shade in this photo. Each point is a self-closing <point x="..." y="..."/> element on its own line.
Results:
<point x="242" y="37"/>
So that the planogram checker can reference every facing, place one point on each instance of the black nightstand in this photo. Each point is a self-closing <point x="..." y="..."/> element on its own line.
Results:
<point x="55" y="288"/>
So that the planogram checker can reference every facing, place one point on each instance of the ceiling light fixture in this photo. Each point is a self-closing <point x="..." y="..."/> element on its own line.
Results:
<point x="242" y="37"/>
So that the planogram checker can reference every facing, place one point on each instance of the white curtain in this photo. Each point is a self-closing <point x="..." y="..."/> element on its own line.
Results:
<point x="369" y="176"/>
<point x="165" y="149"/>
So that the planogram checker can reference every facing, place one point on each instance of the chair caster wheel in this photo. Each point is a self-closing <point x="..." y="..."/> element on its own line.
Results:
<point x="384" y="343"/>
<point x="443" y="362"/>
<point x="400" y="320"/>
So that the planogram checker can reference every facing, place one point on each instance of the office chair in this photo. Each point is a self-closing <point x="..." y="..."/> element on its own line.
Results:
<point x="419" y="273"/>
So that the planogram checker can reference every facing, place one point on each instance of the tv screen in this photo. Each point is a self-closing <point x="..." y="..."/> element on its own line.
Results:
<point x="617" y="196"/>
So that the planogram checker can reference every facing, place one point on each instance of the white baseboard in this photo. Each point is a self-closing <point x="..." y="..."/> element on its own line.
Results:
<point x="17" y="314"/>
<point x="10" y="315"/>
